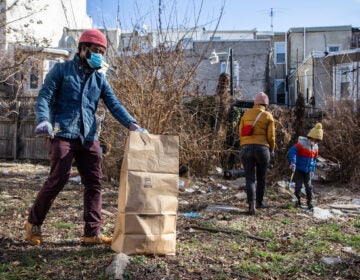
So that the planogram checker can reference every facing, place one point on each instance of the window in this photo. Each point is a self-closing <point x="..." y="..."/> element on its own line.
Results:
<point x="48" y="64"/>
<point x="144" y="45"/>
<point x="345" y="82"/>
<point x="37" y="72"/>
<point x="280" y="53"/>
<point x="34" y="74"/>
<point x="333" y="48"/>
<point x="279" y="91"/>
<point x="126" y="43"/>
<point x="187" y="43"/>
<point x="215" y="38"/>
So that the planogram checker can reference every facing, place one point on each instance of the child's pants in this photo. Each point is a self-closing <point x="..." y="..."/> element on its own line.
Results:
<point x="300" y="178"/>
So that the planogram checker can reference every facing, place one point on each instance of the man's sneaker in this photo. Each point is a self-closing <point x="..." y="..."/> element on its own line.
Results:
<point x="310" y="207"/>
<point x="33" y="233"/>
<point x="97" y="239"/>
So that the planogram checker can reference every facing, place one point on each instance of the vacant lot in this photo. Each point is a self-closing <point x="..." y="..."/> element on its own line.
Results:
<point x="223" y="243"/>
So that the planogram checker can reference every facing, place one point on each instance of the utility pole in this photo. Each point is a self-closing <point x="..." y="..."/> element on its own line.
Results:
<point x="231" y="73"/>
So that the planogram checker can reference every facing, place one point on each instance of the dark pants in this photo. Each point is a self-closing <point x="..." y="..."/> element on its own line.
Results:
<point x="300" y="178"/>
<point x="255" y="159"/>
<point x="88" y="158"/>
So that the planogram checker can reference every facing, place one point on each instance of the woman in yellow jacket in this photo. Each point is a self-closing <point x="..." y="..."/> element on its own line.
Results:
<point x="256" y="148"/>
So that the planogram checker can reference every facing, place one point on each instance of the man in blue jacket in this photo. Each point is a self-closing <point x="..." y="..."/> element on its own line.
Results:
<point x="65" y="110"/>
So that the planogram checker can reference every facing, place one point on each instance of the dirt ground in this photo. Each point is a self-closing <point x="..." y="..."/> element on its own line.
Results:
<point x="224" y="242"/>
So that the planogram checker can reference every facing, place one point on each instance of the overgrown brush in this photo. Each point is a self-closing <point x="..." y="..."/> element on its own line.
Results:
<point x="157" y="88"/>
<point x="342" y="140"/>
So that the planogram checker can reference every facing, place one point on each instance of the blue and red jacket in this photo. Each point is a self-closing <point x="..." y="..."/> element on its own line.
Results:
<point x="304" y="154"/>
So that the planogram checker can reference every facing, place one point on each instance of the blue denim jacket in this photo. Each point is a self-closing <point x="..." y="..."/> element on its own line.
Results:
<point x="69" y="98"/>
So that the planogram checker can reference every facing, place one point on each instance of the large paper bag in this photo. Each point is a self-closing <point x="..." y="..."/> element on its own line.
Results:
<point x="148" y="196"/>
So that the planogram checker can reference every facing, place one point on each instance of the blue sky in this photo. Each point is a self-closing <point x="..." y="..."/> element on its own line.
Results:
<point x="264" y="15"/>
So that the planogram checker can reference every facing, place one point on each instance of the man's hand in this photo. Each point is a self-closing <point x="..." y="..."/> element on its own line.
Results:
<point x="136" y="128"/>
<point x="44" y="129"/>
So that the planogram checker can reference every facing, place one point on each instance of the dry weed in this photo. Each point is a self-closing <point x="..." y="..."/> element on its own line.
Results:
<point x="154" y="88"/>
<point x="341" y="140"/>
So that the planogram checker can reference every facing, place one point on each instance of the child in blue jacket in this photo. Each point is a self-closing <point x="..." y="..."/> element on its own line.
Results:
<point x="302" y="157"/>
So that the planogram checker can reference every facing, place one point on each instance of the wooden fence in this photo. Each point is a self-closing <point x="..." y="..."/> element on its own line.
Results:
<point x="17" y="138"/>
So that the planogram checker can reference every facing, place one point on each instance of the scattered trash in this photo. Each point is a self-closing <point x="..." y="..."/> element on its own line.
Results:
<point x="222" y="186"/>
<point x="349" y="206"/>
<point x="286" y="236"/>
<point x="184" y="202"/>
<point x="219" y="170"/>
<point x="322" y="214"/>
<point x="238" y="183"/>
<point x="331" y="260"/>
<point x="117" y="267"/>
<point x="181" y="183"/>
<point x="232" y="174"/>
<point x="347" y="249"/>
<point x="192" y="215"/>
<point x="76" y="179"/>
<point x="336" y="212"/>
<point x="356" y="201"/>
<point x="241" y="195"/>
<point x="222" y="208"/>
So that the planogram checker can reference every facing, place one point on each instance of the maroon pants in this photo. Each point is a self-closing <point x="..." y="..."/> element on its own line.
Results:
<point x="88" y="158"/>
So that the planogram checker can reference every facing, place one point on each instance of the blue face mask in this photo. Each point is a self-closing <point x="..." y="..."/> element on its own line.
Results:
<point x="95" y="60"/>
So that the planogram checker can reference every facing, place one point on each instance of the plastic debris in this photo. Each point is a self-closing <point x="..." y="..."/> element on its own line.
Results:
<point x="192" y="215"/>
<point x="233" y="174"/>
<point x="222" y="208"/>
<point x="331" y="260"/>
<point x="76" y="179"/>
<point x="322" y="213"/>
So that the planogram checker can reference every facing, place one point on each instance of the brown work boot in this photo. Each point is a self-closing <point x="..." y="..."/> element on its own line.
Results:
<point x="33" y="234"/>
<point x="97" y="239"/>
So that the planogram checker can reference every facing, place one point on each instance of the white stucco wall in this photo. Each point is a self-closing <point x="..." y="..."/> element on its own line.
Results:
<point x="30" y="21"/>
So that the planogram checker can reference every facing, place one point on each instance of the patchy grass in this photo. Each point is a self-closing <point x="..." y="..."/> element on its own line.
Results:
<point x="212" y="246"/>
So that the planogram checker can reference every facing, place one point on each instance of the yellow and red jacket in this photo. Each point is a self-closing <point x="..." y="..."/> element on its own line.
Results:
<point x="263" y="131"/>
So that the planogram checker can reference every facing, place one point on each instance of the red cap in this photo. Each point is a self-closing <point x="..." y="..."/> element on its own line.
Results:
<point x="261" y="98"/>
<point x="93" y="36"/>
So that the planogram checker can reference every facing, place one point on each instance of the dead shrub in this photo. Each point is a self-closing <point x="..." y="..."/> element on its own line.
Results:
<point x="154" y="87"/>
<point x="341" y="140"/>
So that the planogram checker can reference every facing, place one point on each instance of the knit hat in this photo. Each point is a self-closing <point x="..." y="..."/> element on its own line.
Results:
<point x="316" y="132"/>
<point x="93" y="36"/>
<point x="261" y="98"/>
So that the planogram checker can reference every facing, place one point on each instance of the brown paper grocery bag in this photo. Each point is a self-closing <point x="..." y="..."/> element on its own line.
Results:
<point x="148" y="196"/>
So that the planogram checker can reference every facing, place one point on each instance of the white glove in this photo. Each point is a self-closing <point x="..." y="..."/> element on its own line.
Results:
<point x="44" y="129"/>
<point x="136" y="128"/>
<point x="293" y="166"/>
